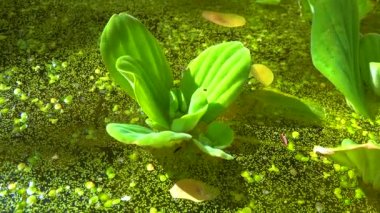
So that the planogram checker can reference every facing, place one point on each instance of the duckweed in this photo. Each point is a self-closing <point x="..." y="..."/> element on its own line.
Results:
<point x="89" y="185"/>
<point x="108" y="204"/>
<point x="326" y="175"/>
<point x="3" y="193"/>
<point x="52" y="193"/>
<point x="93" y="200"/>
<point x="149" y="167"/>
<point x="163" y="178"/>
<point x="79" y="191"/>
<point x="301" y="157"/>
<point x="132" y="184"/>
<point x="337" y="193"/>
<point x="300" y="202"/>
<point x="153" y="210"/>
<point x="21" y="166"/>
<point x="4" y="87"/>
<point x="53" y="120"/>
<point x="291" y="146"/>
<point x="274" y="169"/>
<point x="2" y="100"/>
<point x="31" y="200"/>
<point x="295" y="135"/>
<point x="31" y="189"/>
<point x="110" y="172"/>
<point x="258" y="178"/>
<point x="116" y="201"/>
<point x="104" y="197"/>
<point x="12" y="186"/>
<point x="54" y="81"/>
<point x="68" y="99"/>
<point x="359" y="194"/>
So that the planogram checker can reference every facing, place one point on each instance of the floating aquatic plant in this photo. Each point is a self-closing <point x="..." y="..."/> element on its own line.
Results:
<point x="343" y="56"/>
<point x="209" y="85"/>
<point x="363" y="157"/>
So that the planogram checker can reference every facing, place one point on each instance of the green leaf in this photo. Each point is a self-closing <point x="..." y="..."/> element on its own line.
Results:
<point x="268" y="2"/>
<point x="363" y="157"/>
<point x="147" y="95"/>
<point x="128" y="48"/>
<point x="218" y="135"/>
<point x="198" y="107"/>
<point x="370" y="52"/>
<point x="142" y="136"/>
<point x="375" y="76"/>
<point x="335" y="48"/>
<point x="178" y="105"/>
<point x="215" y="152"/>
<point x="273" y="105"/>
<point x="221" y="70"/>
<point x="364" y="6"/>
<point x="125" y="35"/>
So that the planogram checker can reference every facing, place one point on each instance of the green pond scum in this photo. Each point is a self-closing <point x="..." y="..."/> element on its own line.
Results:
<point x="57" y="95"/>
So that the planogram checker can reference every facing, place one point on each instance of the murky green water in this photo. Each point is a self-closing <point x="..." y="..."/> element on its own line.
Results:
<point x="56" y="98"/>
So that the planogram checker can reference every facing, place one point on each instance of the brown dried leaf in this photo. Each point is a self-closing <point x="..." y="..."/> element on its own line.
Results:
<point x="224" y="19"/>
<point x="193" y="190"/>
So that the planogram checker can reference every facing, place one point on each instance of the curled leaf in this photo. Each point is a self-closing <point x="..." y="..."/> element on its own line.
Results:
<point x="216" y="152"/>
<point x="142" y="136"/>
<point x="198" y="107"/>
<point x="219" y="134"/>
<point x="136" y="62"/>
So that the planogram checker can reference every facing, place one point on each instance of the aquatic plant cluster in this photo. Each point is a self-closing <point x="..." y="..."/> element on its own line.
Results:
<point x="138" y="65"/>
<point x="57" y="106"/>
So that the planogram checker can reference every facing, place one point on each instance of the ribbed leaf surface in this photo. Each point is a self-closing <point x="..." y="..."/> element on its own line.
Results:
<point x="221" y="70"/>
<point x="335" y="48"/>
<point x="128" y="47"/>
<point x="141" y="136"/>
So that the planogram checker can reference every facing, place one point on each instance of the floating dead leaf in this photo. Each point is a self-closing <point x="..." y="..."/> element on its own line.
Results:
<point x="262" y="73"/>
<point x="193" y="190"/>
<point x="224" y="19"/>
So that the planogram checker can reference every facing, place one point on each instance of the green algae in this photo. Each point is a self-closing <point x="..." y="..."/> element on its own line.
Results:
<point x="61" y="157"/>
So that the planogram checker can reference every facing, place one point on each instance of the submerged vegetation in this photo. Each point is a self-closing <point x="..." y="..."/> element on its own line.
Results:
<point x="56" y="97"/>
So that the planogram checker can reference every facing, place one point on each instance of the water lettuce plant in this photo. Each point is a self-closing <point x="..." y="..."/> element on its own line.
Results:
<point x="344" y="56"/>
<point x="363" y="157"/>
<point x="209" y="85"/>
